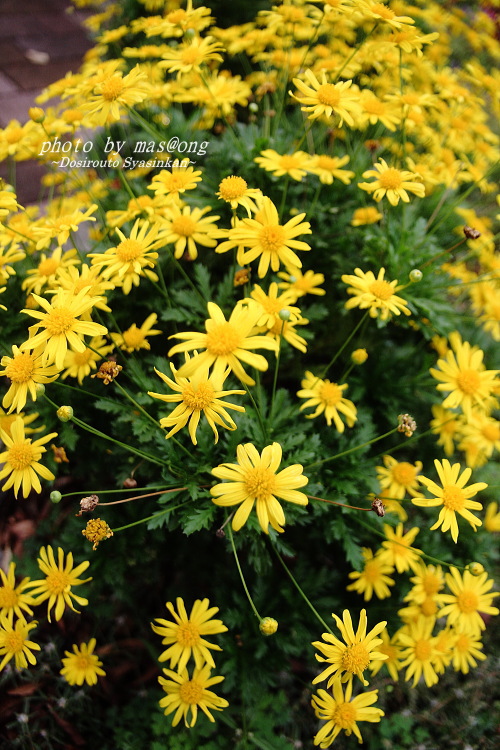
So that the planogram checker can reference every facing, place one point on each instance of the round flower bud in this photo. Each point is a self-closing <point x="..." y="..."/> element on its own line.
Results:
<point x="359" y="356"/>
<point x="476" y="568"/>
<point x="284" y="314"/>
<point x="55" y="496"/>
<point x="253" y="107"/>
<point x="39" y="389"/>
<point x="65" y="413"/>
<point x="268" y="626"/>
<point x="36" y="114"/>
<point x="189" y="33"/>
<point x="416" y="275"/>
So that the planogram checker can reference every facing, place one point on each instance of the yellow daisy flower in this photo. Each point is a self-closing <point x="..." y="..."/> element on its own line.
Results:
<point x="9" y="254"/>
<point x="418" y="652"/>
<point x="135" y="338"/>
<point x="254" y="481"/>
<point x="47" y="271"/>
<point x="25" y="370"/>
<point x="392" y="183"/>
<point x="188" y="227"/>
<point x="373" y="579"/>
<point x="466" y="649"/>
<point x="61" y="325"/>
<point x="272" y="304"/>
<point x="194" y="395"/>
<point x="21" y="460"/>
<point x="428" y="581"/>
<point x="397" y="549"/>
<point x="492" y="518"/>
<point x="328" y="168"/>
<point x="352" y="657"/>
<point x="60" y="577"/>
<point x="396" y="478"/>
<point x="184" y="636"/>
<point x="469" y="598"/>
<point x="176" y="181"/>
<point x="227" y="343"/>
<point x="15" y="643"/>
<point x="339" y="712"/>
<point x="484" y="432"/>
<point x="294" y="165"/>
<point x="377" y="295"/>
<point x="111" y="96"/>
<point x="82" y="665"/>
<point x="189" y="56"/>
<point x="328" y="399"/>
<point x="381" y="12"/>
<point x="327" y="99"/>
<point x="448" y="425"/>
<point x="187" y="694"/>
<point x="392" y="649"/>
<point x="363" y="216"/>
<point x="13" y="599"/>
<point x="454" y="496"/>
<point x="235" y="191"/>
<point x="300" y="283"/>
<point x="80" y="364"/>
<point x="60" y="227"/>
<point x="73" y="280"/>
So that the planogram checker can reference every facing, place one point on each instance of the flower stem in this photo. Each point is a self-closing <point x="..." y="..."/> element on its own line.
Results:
<point x="275" y="379"/>
<point x="247" y="592"/>
<point x="351" y="450"/>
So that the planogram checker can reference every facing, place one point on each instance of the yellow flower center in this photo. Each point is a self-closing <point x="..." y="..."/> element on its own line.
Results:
<point x="188" y="634"/>
<point x="288" y="161"/>
<point x="330" y="393"/>
<point x="82" y="358"/>
<point x="344" y="715"/>
<point x="272" y="239"/>
<point x="468" y="381"/>
<point x="176" y="182"/>
<point x="22" y="455"/>
<point x="372" y="571"/>
<point x="463" y="643"/>
<point x="491" y="432"/>
<point x="431" y="584"/>
<point x="20" y="369"/>
<point x="14" y="642"/>
<point x="223" y="339"/>
<point x="57" y="582"/>
<point x="48" y="267"/>
<point x="381" y="10"/>
<point x="355" y="658"/>
<point x="191" y="692"/>
<point x="82" y="663"/>
<point x="59" y="321"/>
<point x="381" y="289"/>
<point x="389" y="650"/>
<point x="231" y="188"/>
<point x="183" y="226"/>
<point x="423" y="650"/>
<point x="390" y="179"/>
<point x="176" y="16"/>
<point x="198" y="398"/>
<point x="453" y="497"/>
<point x="8" y="597"/>
<point x="374" y="107"/>
<point x="403" y="473"/>
<point x="112" y="88"/>
<point x="13" y="135"/>
<point x="134" y="337"/>
<point x="328" y="95"/>
<point x="191" y="56"/>
<point x="129" y="250"/>
<point x="260" y="483"/>
<point x="468" y="601"/>
<point x="291" y="14"/>
<point x="429" y="607"/>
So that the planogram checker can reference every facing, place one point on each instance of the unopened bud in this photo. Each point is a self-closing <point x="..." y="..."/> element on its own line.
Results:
<point x="476" y="568"/>
<point x="359" y="356"/>
<point x="55" y="496"/>
<point x="253" y="107"/>
<point x="36" y="114"/>
<point x="65" y="413"/>
<point x="284" y="314"/>
<point x="39" y="389"/>
<point x="268" y="626"/>
<point x="416" y="275"/>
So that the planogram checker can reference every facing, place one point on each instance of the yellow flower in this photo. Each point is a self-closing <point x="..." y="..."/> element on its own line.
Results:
<point x="327" y="98"/>
<point x="397" y="549"/>
<point x="186" y="694"/>
<point x="135" y="338"/>
<point x="329" y="167"/>
<point x="266" y="238"/>
<point x="294" y="165"/>
<point x="272" y="304"/>
<point x="184" y="636"/>
<point x="492" y="518"/>
<point x="75" y="279"/>
<point x="373" y="579"/>
<point x="301" y="283"/>
<point x="375" y="294"/>
<point x="363" y="216"/>
<point x="392" y="649"/>
<point x="60" y="227"/>
<point x="197" y="394"/>
<point x="61" y="325"/>
<point x="47" y="271"/>
<point x="396" y="478"/>
<point x="468" y="599"/>
<point x="254" y="481"/>
<point x="25" y="370"/>
<point x="466" y="649"/>
<point x="21" y="460"/>
<point x="191" y="55"/>
<point x="381" y="12"/>
<point x="340" y="712"/>
<point x="418" y="652"/>
<point x="60" y="577"/>
<point x="175" y="182"/>
<point x="447" y="424"/>
<point x="484" y="433"/>
<point x="235" y="191"/>
<point x="15" y="643"/>
<point x="227" y="343"/>
<point x="454" y="496"/>
<point x="352" y="657"/>
<point x="463" y="376"/>
<point x="10" y="254"/>
<point x="188" y="227"/>
<point x="111" y="96"/>
<point x="82" y="665"/>
<point x="392" y="183"/>
<point x="328" y="399"/>
<point x="428" y="582"/>
<point x="80" y="364"/>
<point x="13" y="599"/>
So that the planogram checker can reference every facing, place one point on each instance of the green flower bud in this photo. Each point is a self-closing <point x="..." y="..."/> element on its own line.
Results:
<point x="476" y="568"/>
<point x="268" y="626"/>
<point x="55" y="496"/>
<point x="416" y="275"/>
<point x="65" y="413"/>
<point x="284" y="314"/>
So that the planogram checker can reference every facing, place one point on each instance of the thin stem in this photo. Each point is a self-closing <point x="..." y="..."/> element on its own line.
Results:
<point x="257" y="411"/>
<point x="148" y="518"/>
<point x="352" y="450"/>
<point x="141" y="497"/>
<point x="247" y="592"/>
<point x="275" y="378"/>
<point x="346" y="342"/>
<point x="342" y="505"/>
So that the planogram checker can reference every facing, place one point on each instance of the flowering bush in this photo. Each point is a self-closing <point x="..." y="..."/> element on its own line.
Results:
<point x="282" y="229"/>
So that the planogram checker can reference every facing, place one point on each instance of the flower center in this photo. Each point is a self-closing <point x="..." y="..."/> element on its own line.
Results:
<point x="260" y="483"/>
<point x="191" y="692"/>
<point x="374" y="107"/>
<point x="191" y="56"/>
<point x="22" y="455"/>
<point x="491" y="432"/>
<point x="82" y="663"/>
<point x="184" y="226"/>
<point x="14" y="642"/>
<point x="82" y="358"/>
<point x="232" y="188"/>
<point x="453" y="497"/>
<point x="468" y="381"/>
<point x="330" y="393"/>
<point x="289" y="162"/>
<point x="59" y="321"/>
<point x="21" y="368"/>
<point x="381" y="289"/>
<point x="176" y="16"/>
<point x="14" y="135"/>
<point x="198" y="398"/>
<point x="58" y="582"/>
<point x="112" y="88"/>
<point x="404" y="473"/>
<point x="328" y="95"/>
<point x="326" y="162"/>
<point x="463" y="643"/>
<point x="423" y="650"/>
<point x="223" y="339"/>
<point x="390" y="179"/>
<point x="188" y="634"/>
<point x="468" y="601"/>
<point x="429" y="607"/>
<point x="272" y="239"/>
<point x="129" y="250"/>
<point x="372" y="571"/>
<point x="355" y="658"/>
<point x="8" y="597"/>
<point x="431" y="584"/>
<point x="48" y="267"/>
<point x="379" y="9"/>
<point x="344" y="715"/>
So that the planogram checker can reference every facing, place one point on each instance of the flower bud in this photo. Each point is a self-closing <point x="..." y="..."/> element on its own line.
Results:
<point x="253" y="107"/>
<point x="65" y="413"/>
<point x="55" y="496"/>
<point x="416" y="275"/>
<point x="39" y="389"/>
<point x="359" y="356"/>
<point x="268" y="626"/>
<point x="36" y="114"/>
<point x="476" y="568"/>
<point x="284" y="314"/>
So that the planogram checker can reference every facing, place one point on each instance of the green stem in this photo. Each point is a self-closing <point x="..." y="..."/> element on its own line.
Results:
<point x="354" y="52"/>
<point x="257" y="411"/>
<point x="346" y="342"/>
<point x="275" y="378"/>
<point x="352" y="450"/>
<point x="148" y="518"/>
<point x="247" y="592"/>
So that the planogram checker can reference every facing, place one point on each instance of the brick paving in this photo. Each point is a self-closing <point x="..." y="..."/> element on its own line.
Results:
<point x="40" y="41"/>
